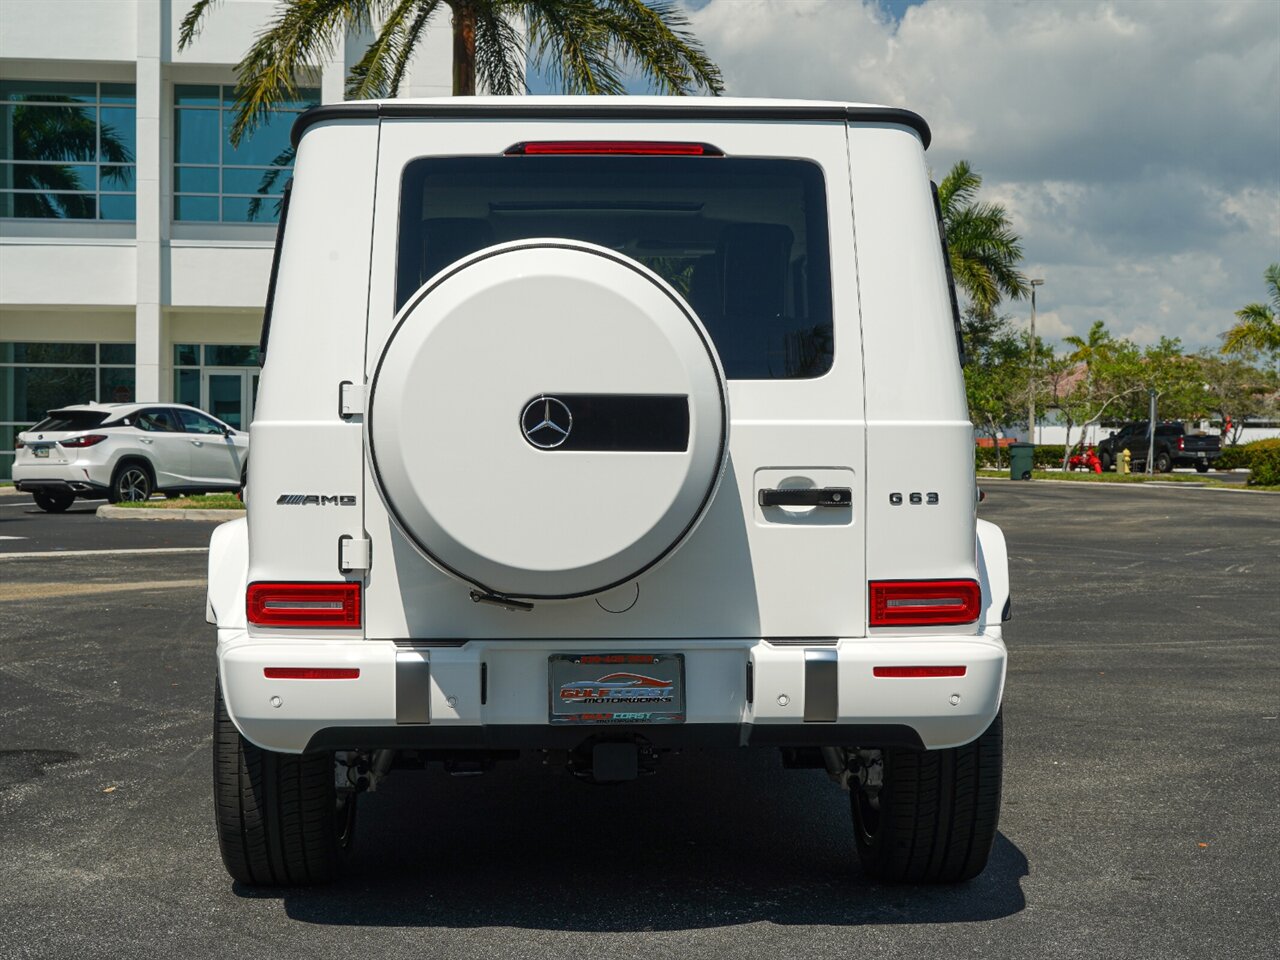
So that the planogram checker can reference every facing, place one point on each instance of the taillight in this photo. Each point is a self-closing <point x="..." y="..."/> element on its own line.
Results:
<point x="615" y="148"/>
<point x="18" y="444"/>
<point x="88" y="440"/>
<point x="920" y="603"/>
<point x="304" y="604"/>
<point x="1182" y="443"/>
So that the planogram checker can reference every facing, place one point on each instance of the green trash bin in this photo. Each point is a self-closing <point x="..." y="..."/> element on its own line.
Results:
<point x="1021" y="460"/>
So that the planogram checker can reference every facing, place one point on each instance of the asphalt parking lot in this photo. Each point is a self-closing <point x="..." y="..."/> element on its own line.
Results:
<point x="1140" y="817"/>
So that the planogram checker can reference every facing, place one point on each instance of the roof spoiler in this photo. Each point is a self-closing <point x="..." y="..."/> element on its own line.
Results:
<point x="609" y="111"/>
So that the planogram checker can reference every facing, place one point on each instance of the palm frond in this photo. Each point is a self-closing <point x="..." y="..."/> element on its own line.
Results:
<point x="653" y="38"/>
<point x="372" y="77"/>
<point x="1272" y="277"/>
<point x="958" y="188"/>
<point x="303" y="34"/>
<point x="190" y="26"/>
<point x="500" y="55"/>
<point x="568" y="44"/>
<point x="404" y="56"/>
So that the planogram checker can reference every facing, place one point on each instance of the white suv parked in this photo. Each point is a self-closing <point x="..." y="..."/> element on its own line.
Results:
<point x="127" y="451"/>
<point x="603" y="427"/>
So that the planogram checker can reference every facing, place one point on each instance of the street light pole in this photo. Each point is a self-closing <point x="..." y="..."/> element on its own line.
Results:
<point x="1031" y="385"/>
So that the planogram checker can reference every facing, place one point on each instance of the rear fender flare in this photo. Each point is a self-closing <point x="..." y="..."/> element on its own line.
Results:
<point x="993" y="572"/>
<point x="228" y="574"/>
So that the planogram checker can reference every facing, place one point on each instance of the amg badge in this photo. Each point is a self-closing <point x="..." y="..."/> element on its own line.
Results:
<point x="314" y="500"/>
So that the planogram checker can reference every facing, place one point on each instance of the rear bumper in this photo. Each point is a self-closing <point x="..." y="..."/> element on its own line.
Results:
<point x="494" y="694"/>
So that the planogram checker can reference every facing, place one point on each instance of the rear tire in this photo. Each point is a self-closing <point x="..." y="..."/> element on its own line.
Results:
<point x="131" y="483"/>
<point x="280" y="819"/>
<point x="1105" y="459"/>
<point x="1164" y="463"/>
<point x="938" y="811"/>
<point x="53" y="502"/>
<point x="1202" y="468"/>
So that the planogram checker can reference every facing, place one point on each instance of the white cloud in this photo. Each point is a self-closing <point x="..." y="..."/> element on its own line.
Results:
<point x="1136" y="144"/>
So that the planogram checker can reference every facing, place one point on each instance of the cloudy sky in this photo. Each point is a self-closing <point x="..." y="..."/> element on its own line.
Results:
<point x="1135" y="144"/>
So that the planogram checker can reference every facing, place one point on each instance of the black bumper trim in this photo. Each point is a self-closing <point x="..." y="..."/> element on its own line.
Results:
<point x="78" y="487"/>
<point x="567" y="737"/>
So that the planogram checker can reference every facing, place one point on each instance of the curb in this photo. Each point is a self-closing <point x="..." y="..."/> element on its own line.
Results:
<point x="1159" y="484"/>
<point x="108" y="512"/>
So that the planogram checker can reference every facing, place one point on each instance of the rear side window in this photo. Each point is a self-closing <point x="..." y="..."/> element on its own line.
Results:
<point x="59" y="420"/>
<point x="158" y="421"/>
<point x="743" y="240"/>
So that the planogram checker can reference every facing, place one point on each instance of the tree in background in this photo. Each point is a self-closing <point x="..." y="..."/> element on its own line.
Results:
<point x="1258" y="328"/>
<point x="1236" y="390"/>
<point x="1176" y="378"/>
<point x="1095" y="378"/>
<point x="985" y="251"/>
<point x="996" y="375"/>
<point x="584" y="46"/>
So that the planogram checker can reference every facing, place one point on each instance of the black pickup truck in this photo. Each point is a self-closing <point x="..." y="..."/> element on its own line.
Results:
<point x="1175" y="447"/>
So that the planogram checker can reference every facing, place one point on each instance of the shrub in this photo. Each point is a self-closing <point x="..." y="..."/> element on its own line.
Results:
<point x="1243" y="456"/>
<point x="1264" y="468"/>
<point x="1046" y="455"/>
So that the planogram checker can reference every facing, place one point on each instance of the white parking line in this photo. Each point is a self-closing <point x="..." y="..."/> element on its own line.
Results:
<point x="101" y="553"/>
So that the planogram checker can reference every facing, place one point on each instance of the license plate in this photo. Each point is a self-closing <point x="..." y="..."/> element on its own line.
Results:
<point x="40" y="451"/>
<point x="616" y="687"/>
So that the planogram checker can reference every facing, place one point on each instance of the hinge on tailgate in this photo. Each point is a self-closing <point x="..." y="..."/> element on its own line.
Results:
<point x="350" y="399"/>
<point x="353" y="554"/>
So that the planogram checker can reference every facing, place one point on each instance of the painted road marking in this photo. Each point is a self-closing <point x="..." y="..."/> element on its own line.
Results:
<point x="101" y="553"/>
<point x="13" y="538"/>
<point x="36" y="591"/>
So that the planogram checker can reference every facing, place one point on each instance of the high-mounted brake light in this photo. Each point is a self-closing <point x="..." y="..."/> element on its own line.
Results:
<point x="611" y="148"/>
<point x="919" y="603"/>
<point x="304" y="604"/>
<point x="914" y="673"/>
<point x="311" y="673"/>
<point x="88" y="440"/>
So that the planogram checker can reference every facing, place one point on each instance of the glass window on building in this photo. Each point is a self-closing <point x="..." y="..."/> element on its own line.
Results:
<point x="221" y="378"/>
<point x="67" y="150"/>
<point x="38" y="377"/>
<point x="215" y="181"/>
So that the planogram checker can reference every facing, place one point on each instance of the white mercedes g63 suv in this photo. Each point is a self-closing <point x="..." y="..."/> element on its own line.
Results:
<point x="603" y="427"/>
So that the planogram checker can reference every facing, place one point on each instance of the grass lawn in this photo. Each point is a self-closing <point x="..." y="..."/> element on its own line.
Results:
<point x="213" y="501"/>
<point x="1080" y="476"/>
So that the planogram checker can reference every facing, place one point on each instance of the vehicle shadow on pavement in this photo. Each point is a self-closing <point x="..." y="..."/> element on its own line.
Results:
<point x="714" y="839"/>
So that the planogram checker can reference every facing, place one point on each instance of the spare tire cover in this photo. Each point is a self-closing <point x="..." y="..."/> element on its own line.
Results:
<point x="547" y="420"/>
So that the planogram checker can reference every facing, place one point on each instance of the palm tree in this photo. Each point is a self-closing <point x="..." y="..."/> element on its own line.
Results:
<point x="985" y="251"/>
<point x="585" y="46"/>
<point x="1259" y="328"/>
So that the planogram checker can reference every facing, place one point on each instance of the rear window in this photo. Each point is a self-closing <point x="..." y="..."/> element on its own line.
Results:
<point x="743" y="240"/>
<point x="60" y="420"/>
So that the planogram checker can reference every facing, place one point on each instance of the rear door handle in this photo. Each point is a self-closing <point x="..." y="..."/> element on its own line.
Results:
<point x="807" y="497"/>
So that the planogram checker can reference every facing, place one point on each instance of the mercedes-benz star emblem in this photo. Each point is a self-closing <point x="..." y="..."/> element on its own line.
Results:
<point x="546" y="422"/>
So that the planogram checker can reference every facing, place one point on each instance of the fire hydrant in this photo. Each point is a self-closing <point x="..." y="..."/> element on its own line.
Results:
<point x="1122" y="464"/>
